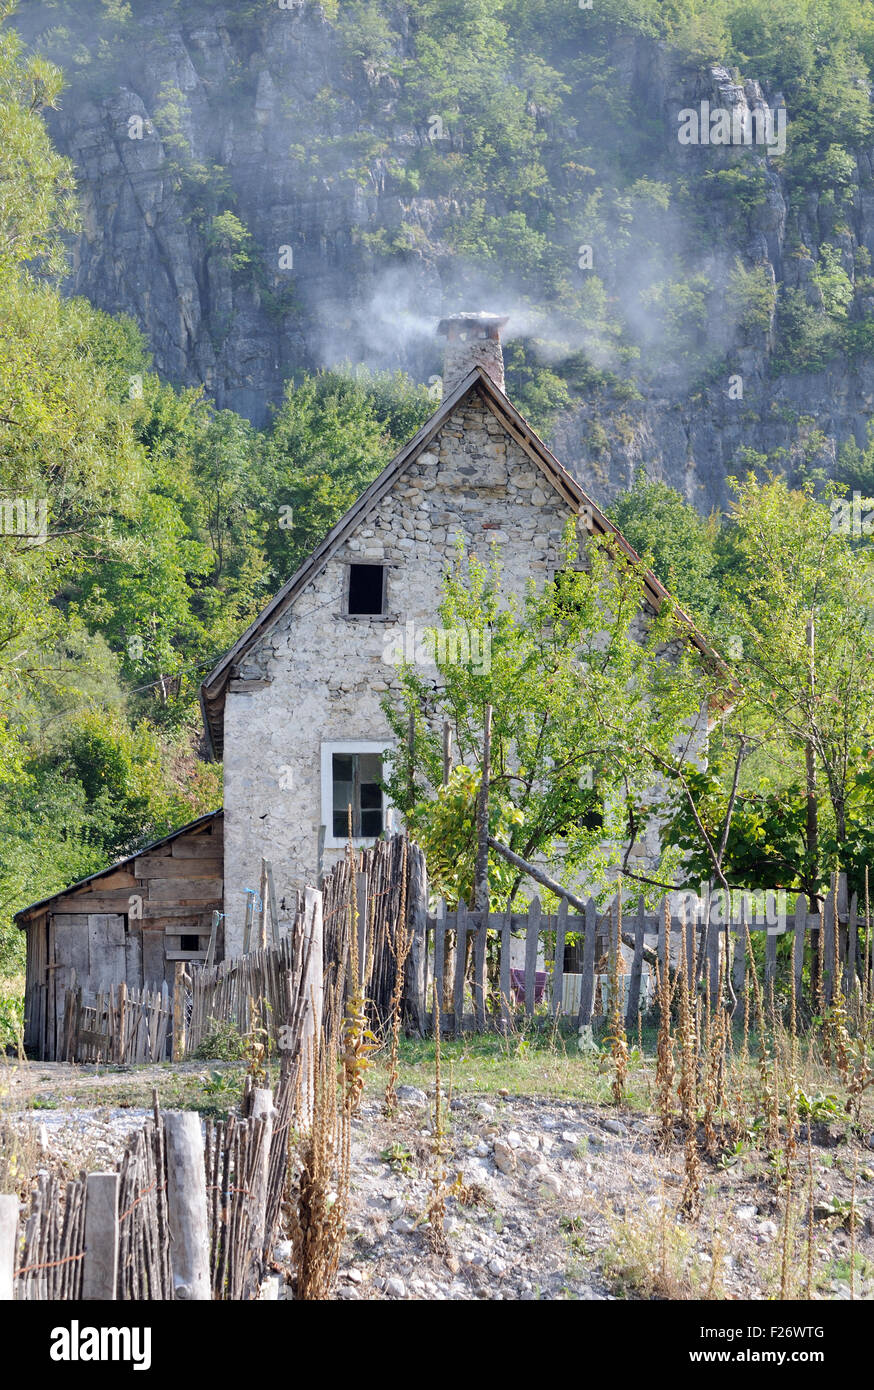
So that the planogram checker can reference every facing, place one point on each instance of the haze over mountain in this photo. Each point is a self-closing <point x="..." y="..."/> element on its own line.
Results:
<point x="275" y="188"/>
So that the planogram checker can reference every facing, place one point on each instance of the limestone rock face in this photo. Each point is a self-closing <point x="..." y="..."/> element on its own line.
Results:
<point x="347" y="259"/>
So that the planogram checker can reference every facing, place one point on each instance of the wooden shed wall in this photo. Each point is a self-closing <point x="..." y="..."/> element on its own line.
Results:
<point x="165" y="893"/>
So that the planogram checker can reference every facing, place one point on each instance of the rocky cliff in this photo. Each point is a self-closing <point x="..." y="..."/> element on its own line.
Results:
<point x="272" y="188"/>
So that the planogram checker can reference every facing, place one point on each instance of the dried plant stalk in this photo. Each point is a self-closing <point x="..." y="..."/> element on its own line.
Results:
<point x="618" y="1038"/>
<point x="319" y="1195"/>
<point x="665" y="1070"/>
<point x="399" y="944"/>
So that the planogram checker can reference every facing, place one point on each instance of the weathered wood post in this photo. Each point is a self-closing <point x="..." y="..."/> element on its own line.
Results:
<point x="851" y="979"/>
<point x="532" y="941"/>
<point x="739" y="964"/>
<point x="187" y="1207"/>
<point x="263" y="909"/>
<point x="8" y="1234"/>
<point x="439" y="954"/>
<point x="558" y="963"/>
<point x="100" y="1265"/>
<point x="506" y="988"/>
<point x="828" y="944"/>
<point x="274" y="912"/>
<point x="247" y="925"/>
<point x="444" y="938"/>
<point x="179" y="1011"/>
<point x="362" y="901"/>
<point x="415" y="968"/>
<point x="481" y="879"/>
<point x="460" y="962"/>
<point x="798" y="944"/>
<point x="636" y="967"/>
<point x="261" y="1111"/>
<point x="587" y="984"/>
<point x="770" y="958"/>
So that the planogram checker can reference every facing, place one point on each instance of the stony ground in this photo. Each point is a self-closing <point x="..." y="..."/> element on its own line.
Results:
<point x="549" y="1200"/>
<point x="544" y="1198"/>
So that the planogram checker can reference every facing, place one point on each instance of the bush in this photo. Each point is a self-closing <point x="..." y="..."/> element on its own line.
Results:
<point x="223" y="1043"/>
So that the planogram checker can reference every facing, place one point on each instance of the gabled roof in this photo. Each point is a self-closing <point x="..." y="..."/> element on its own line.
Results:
<point x="34" y="909"/>
<point x="214" y="687"/>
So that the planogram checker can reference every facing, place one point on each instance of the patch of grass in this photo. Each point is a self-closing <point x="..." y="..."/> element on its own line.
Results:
<point x="19" y="1159"/>
<point x="652" y="1254"/>
<point x="549" y="1065"/>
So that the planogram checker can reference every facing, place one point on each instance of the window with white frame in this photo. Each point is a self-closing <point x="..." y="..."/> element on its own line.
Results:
<point x="351" y="776"/>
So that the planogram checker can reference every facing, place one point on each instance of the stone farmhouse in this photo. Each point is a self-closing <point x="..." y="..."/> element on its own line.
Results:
<point x="294" y="708"/>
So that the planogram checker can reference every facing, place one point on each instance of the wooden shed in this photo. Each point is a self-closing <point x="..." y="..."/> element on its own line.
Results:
<point x="129" y="922"/>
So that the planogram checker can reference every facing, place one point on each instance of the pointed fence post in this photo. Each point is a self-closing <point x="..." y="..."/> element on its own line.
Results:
<point x="439" y="954"/>
<point x="271" y="898"/>
<point x="479" y="971"/>
<point x="636" y="967"/>
<point x="663" y="948"/>
<point x="460" y="963"/>
<point x="417" y="960"/>
<point x="828" y="946"/>
<point x="312" y="985"/>
<point x="587" y="984"/>
<point x="558" y="967"/>
<point x="850" y="981"/>
<point x="362" y="905"/>
<point x="770" y="959"/>
<point x="798" y="944"/>
<point x="506" y="987"/>
<point x="247" y="925"/>
<point x="532" y="940"/>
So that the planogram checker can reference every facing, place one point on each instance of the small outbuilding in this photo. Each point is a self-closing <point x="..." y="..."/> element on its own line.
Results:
<point x="130" y="922"/>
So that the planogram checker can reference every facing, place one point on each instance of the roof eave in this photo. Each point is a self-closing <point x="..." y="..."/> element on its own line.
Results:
<point x="25" y="915"/>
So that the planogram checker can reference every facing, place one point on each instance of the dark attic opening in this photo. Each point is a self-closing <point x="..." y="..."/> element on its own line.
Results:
<point x="366" y="589"/>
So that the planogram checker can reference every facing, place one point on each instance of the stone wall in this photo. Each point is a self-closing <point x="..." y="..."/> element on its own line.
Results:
<point x="327" y="673"/>
<point x="461" y="357"/>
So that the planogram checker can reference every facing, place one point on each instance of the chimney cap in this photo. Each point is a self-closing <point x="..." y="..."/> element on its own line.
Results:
<point x="478" y="319"/>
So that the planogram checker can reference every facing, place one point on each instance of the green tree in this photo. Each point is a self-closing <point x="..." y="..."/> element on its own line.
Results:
<point x="588" y="704"/>
<point x="676" y="542"/>
<point x="331" y="436"/>
<point x="790" y="761"/>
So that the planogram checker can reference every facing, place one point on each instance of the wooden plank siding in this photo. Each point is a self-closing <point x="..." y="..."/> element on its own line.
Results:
<point x="129" y="923"/>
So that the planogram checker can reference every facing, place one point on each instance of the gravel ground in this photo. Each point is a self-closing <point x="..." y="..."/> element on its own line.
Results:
<point x="539" y="1191"/>
<point x="539" y="1195"/>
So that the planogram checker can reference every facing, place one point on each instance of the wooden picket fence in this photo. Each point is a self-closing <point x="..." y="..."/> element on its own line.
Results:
<point x="840" y="952"/>
<point x="122" y="1026"/>
<point x="189" y="1213"/>
<point x="119" y="1235"/>
<point x="367" y="889"/>
<point x="261" y="989"/>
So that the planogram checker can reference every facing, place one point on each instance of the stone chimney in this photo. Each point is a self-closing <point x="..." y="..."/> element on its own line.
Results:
<point x="472" y="340"/>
